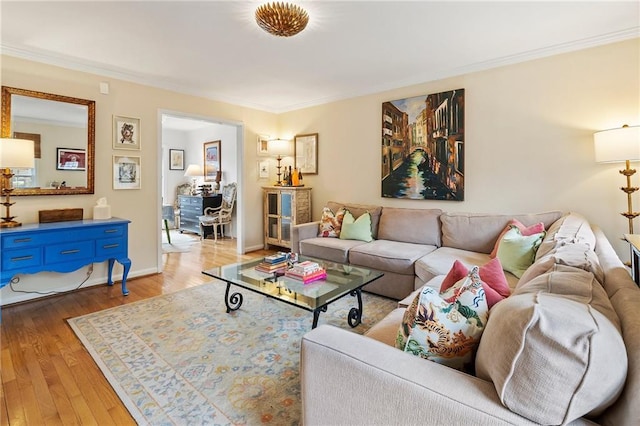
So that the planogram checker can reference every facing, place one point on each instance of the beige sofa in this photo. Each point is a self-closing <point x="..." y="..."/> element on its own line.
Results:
<point x="548" y="378"/>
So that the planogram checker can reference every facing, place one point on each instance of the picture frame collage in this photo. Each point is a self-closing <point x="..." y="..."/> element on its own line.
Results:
<point x="127" y="169"/>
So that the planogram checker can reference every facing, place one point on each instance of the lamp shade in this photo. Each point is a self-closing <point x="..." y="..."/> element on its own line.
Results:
<point x="16" y="153"/>
<point x="617" y="145"/>
<point x="193" y="170"/>
<point x="280" y="147"/>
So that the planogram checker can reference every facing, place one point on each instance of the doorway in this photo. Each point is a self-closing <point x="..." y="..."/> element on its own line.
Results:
<point x="186" y="134"/>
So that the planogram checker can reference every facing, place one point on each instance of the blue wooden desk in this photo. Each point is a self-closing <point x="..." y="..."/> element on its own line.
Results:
<point x="64" y="247"/>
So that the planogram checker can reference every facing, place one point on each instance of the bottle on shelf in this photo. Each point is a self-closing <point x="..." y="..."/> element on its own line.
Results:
<point x="295" y="180"/>
<point x="289" y="178"/>
<point x="300" y="182"/>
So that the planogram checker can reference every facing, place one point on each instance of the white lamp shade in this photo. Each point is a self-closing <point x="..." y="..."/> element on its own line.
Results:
<point x="193" y="170"/>
<point x="617" y="145"/>
<point x="280" y="147"/>
<point x="16" y="153"/>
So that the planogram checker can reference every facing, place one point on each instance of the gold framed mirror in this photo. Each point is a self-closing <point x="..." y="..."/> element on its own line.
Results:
<point x="63" y="131"/>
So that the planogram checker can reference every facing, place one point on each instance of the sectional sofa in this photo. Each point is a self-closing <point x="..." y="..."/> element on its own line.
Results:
<point x="563" y="348"/>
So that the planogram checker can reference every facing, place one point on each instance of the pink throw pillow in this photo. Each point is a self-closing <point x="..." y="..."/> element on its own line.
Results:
<point x="492" y="276"/>
<point x="525" y="231"/>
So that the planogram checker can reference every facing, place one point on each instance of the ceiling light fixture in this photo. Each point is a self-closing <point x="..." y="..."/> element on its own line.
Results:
<point x="281" y="19"/>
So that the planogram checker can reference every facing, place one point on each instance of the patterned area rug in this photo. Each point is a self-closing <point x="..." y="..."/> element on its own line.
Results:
<point x="181" y="359"/>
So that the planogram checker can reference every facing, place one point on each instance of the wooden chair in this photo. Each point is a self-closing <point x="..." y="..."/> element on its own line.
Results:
<point x="217" y="217"/>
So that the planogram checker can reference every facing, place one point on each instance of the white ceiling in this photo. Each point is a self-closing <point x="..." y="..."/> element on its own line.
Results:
<point x="215" y="49"/>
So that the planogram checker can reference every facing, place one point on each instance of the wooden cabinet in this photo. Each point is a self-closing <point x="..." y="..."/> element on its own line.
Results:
<point x="284" y="206"/>
<point x="64" y="247"/>
<point x="192" y="206"/>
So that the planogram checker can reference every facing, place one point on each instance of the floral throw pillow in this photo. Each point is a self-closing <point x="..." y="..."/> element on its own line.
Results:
<point x="446" y="327"/>
<point x="330" y="223"/>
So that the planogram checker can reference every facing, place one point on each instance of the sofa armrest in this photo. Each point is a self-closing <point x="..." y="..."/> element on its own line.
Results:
<point x="302" y="232"/>
<point x="349" y="379"/>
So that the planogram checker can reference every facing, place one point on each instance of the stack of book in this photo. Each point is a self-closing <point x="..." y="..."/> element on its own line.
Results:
<point x="273" y="263"/>
<point x="307" y="272"/>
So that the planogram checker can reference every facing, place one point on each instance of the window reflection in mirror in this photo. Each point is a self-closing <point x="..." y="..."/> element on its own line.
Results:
<point x="62" y="129"/>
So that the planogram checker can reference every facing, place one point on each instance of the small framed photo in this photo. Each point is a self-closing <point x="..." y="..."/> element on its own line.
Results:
<point x="126" y="172"/>
<point x="71" y="159"/>
<point x="176" y="159"/>
<point x="212" y="160"/>
<point x="263" y="145"/>
<point x="263" y="169"/>
<point x="126" y="133"/>
<point x="306" y="153"/>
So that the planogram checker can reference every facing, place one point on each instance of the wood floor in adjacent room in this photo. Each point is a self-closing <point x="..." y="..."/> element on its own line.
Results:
<point x="49" y="378"/>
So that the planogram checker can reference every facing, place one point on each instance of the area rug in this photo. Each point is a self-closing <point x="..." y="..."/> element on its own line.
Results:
<point x="180" y="243"/>
<point x="181" y="359"/>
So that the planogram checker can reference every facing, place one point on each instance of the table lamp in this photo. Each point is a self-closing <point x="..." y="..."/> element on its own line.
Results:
<point x="193" y="171"/>
<point x="620" y="145"/>
<point x="14" y="153"/>
<point x="279" y="148"/>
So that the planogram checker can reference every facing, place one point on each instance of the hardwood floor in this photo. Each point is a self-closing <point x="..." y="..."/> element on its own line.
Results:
<point x="47" y="375"/>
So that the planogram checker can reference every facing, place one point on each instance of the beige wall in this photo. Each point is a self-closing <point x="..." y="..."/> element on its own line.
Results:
<point x="142" y="206"/>
<point x="528" y="138"/>
<point x="529" y="145"/>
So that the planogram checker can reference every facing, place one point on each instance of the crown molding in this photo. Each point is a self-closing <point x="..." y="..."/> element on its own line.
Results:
<point x="126" y="75"/>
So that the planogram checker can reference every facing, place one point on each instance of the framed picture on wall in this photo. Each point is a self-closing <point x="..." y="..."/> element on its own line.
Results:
<point x="71" y="159"/>
<point x="126" y="133"/>
<point x="263" y="169"/>
<point x="306" y="153"/>
<point x="126" y="172"/>
<point x="176" y="159"/>
<point x="212" y="160"/>
<point x="263" y="145"/>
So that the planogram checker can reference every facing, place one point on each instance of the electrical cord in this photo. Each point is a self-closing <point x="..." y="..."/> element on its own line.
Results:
<point x="16" y="280"/>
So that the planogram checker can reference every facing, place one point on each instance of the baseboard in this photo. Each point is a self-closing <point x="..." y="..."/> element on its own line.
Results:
<point x="10" y="297"/>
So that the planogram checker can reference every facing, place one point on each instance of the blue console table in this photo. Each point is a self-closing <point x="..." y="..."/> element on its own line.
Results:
<point x="64" y="247"/>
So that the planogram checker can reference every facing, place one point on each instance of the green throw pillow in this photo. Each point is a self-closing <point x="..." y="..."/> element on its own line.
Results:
<point x="517" y="252"/>
<point x="356" y="229"/>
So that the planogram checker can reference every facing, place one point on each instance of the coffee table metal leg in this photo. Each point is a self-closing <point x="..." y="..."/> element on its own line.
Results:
<point x="233" y="303"/>
<point x="316" y="315"/>
<point x="355" y="314"/>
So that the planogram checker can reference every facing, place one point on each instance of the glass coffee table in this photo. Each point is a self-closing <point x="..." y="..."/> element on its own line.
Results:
<point x="315" y="297"/>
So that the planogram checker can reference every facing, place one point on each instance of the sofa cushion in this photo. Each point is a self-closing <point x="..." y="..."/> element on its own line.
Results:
<point x="439" y="262"/>
<point x="446" y="327"/>
<point x="386" y="330"/>
<point x="357" y="210"/>
<point x="332" y="249"/>
<point x="419" y="226"/>
<point x="517" y="252"/>
<point x="570" y="228"/>
<point x="563" y="360"/>
<point x="578" y="284"/>
<point x="479" y="231"/>
<point x="524" y="230"/>
<point x="391" y="256"/>
<point x="577" y="255"/>
<point x="356" y="229"/>
<point x="494" y="282"/>
<point x="330" y="223"/>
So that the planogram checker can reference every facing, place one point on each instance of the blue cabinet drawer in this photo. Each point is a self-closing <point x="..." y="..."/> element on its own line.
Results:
<point x="109" y="231"/>
<point x="71" y="251"/>
<point x="111" y="247"/>
<point x="90" y="233"/>
<point x="22" y="240"/>
<point x="21" y="258"/>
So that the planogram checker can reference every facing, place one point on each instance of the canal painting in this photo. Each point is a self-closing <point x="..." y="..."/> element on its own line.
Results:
<point x="423" y="147"/>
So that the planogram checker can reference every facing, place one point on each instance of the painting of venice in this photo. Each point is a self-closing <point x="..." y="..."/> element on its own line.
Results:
<point x="423" y="147"/>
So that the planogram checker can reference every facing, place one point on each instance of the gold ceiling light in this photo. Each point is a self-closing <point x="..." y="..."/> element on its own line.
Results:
<point x="281" y="19"/>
